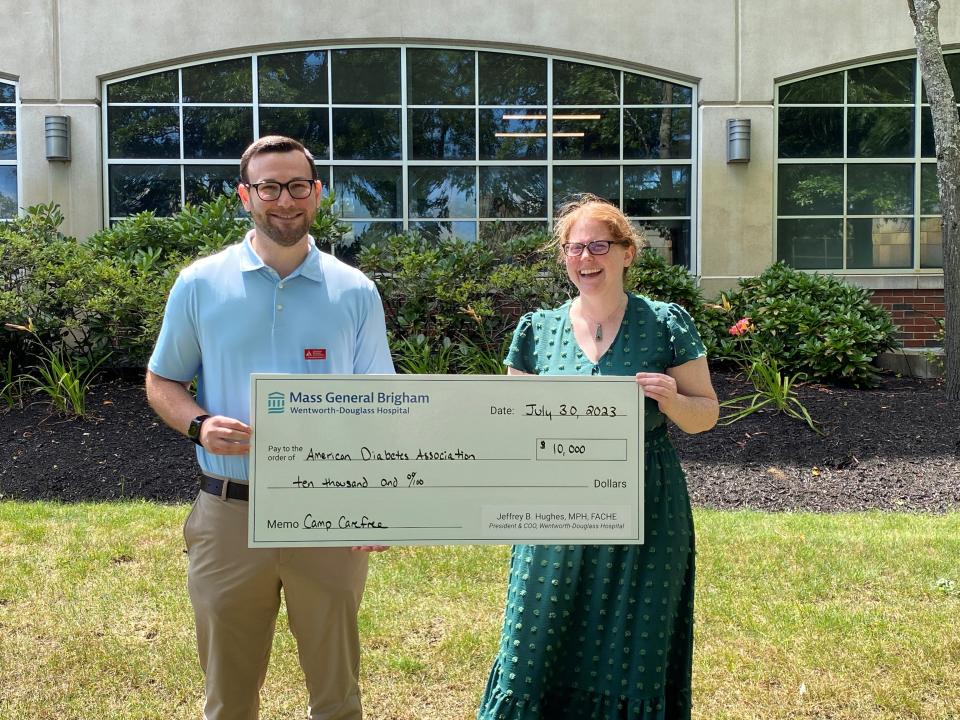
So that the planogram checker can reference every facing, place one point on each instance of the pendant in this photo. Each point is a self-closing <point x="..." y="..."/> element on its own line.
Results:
<point x="598" y="336"/>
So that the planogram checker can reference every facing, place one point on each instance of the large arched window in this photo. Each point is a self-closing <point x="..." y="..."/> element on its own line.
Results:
<point x="8" y="150"/>
<point x="442" y="140"/>
<point x="856" y="170"/>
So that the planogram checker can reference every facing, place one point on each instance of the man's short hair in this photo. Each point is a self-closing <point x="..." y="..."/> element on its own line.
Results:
<point x="274" y="144"/>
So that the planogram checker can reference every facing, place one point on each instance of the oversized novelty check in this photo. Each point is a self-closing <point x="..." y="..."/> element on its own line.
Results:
<point x="444" y="459"/>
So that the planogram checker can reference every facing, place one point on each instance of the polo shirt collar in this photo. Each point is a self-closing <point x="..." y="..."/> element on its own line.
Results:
<point x="311" y="267"/>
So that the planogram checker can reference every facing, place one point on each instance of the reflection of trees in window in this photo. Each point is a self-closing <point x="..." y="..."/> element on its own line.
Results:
<point x="203" y="183"/>
<point x="216" y="132"/>
<point x="8" y="133"/>
<point x="650" y="133"/>
<point x="513" y="192"/>
<point x="890" y="82"/>
<point x="8" y="191"/>
<point x="815" y="244"/>
<point x="293" y="77"/>
<point x="442" y="192"/>
<point x="442" y="134"/>
<point x="643" y="90"/>
<point x="366" y="134"/>
<point x="512" y="79"/>
<point x="136" y="188"/>
<point x="570" y="181"/>
<point x="309" y="126"/>
<point x="879" y="132"/>
<point x="656" y="190"/>
<point x="880" y="189"/>
<point x="8" y="93"/>
<point x="810" y="190"/>
<point x="523" y="134"/>
<point x="822" y="89"/>
<point x="810" y="132"/>
<point x="367" y="191"/>
<point x="156" y="88"/>
<point x="216" y="82"/>
<point x="138" y="132"/>
<point x="579" y="84"/>
<point x="439" y="77"/>
<point x="366" y="76"/>
<point x="601" y="136"/>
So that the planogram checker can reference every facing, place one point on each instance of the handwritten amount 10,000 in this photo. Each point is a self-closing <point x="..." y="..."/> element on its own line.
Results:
<point x="534" y="410"/>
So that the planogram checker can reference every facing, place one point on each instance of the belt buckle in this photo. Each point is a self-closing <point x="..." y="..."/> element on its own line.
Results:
<point x="223" y="489"/>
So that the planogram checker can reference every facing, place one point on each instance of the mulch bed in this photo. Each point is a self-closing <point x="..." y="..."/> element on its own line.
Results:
<point x="896" y="447"/>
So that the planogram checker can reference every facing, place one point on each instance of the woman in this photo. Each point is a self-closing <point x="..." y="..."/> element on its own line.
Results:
<point x="616" y="638"/>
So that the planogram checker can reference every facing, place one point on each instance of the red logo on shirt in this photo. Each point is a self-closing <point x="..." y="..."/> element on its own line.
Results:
<point x="315" y="354"/>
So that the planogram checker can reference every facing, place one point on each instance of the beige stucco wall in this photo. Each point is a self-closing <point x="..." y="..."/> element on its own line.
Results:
<point x="734" y="50"/>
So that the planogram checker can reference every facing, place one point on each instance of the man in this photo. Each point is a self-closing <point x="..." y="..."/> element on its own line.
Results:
<point x="272" y="303"/>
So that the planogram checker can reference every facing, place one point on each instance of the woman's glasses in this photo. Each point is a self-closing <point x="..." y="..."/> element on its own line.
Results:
<point x="596" y="247"/>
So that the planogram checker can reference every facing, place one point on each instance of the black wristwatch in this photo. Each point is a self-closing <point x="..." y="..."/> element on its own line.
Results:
<point x="193" y="432"/>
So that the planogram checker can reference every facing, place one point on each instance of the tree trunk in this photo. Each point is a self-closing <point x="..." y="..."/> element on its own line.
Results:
<point x="946" y="132"/>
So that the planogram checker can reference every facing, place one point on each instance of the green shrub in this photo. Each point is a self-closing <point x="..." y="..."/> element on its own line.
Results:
<point x="459" y="294"/>
<point x="815" y="326"/>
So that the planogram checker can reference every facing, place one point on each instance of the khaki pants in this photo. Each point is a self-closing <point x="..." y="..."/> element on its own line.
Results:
<point x="235" y="593"/>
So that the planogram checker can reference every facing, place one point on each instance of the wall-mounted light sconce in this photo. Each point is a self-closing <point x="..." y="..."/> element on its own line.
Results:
<point x="56" y="130"/>
<point x="738" y="141"/>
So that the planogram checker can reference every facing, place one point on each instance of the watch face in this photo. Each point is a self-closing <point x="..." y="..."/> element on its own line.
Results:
<point x="193" y="432"/>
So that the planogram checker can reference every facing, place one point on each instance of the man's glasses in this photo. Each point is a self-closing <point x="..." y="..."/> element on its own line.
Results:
<point x="596" y="247"/>
<point x="298" y="189"/>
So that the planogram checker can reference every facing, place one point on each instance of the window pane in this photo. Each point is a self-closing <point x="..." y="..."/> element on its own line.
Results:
<point x="880" y="189"/>
<point x="653" y="190"/>
<point x="512" y="79"/>
<point x="931" y="242"/>
<point x="442" y="134"/>
<point x="670" y="238"/>
<point x="439" y="77"/>
<point x="823" y="89"/>
<point x="810" y="190"/>
<point x="815" y="244"/>
<point x="879" y="243"/>
<point x="505" y="134"/>
<point x="136" y="132"/>
<point x="806" y="132"/>
<point x="446" y="230"/>
<point x="137" y="188"/>
<point x="366" y="134"/>
<point x="642" y="90"/>
<point x="299" y="77"/>
<point x="929" y="190"/>
<point x="218" y="133"/>
<point x="656" y="133"/>
<point x="218" y="82"/>
<point x="366" y="76"/>
<point x="8" y="93"/>
<point x="586" y="134"/>
<point x="928" y="144"/>
<point x="310" y="126"/>
<point x="203" y="183"/>
<point x="580" y="84"/>
<point x="8" y="133"/>
<point x="890" y="82"/>
<point x="443" y="192"/>
<point x="361" y="235"/>
<point x="156" y="88"/>
<point x="368" y="192"/>
<point x="880" y="132"/>
<point x="499" y="231"/>
<point x="572" y="180"/>
<point x="8" y="191"/>
<point x="513" y="192"/>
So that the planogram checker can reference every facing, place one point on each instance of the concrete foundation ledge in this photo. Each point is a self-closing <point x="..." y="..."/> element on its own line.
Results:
<point x="913" y="362"/>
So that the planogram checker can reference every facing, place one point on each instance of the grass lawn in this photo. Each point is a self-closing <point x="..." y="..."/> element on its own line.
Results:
<point x="798" y="616"/>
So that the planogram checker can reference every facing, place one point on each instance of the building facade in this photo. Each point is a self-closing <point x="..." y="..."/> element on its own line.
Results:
<point x="474" y="118"/>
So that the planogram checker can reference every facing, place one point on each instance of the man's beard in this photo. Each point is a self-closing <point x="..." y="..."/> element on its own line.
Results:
<point x="284" y="234"/>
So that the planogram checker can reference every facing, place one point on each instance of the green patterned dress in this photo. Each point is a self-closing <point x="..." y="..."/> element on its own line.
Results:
<point x="604" y="632"/>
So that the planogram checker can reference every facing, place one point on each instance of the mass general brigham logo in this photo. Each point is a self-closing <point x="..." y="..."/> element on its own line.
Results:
<point x="275" y="403"/>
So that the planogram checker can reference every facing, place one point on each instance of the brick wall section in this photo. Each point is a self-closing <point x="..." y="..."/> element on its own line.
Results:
<point x="914" y="312"/>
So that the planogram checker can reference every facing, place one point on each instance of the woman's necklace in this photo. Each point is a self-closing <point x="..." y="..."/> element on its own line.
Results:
<point x="598" y="333"/>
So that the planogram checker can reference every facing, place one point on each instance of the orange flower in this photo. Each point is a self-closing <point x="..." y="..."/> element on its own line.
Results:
<point x="741" y="327"/>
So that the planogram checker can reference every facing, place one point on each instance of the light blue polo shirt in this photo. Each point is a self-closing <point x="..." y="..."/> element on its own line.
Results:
<point x="230" y="315"/>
